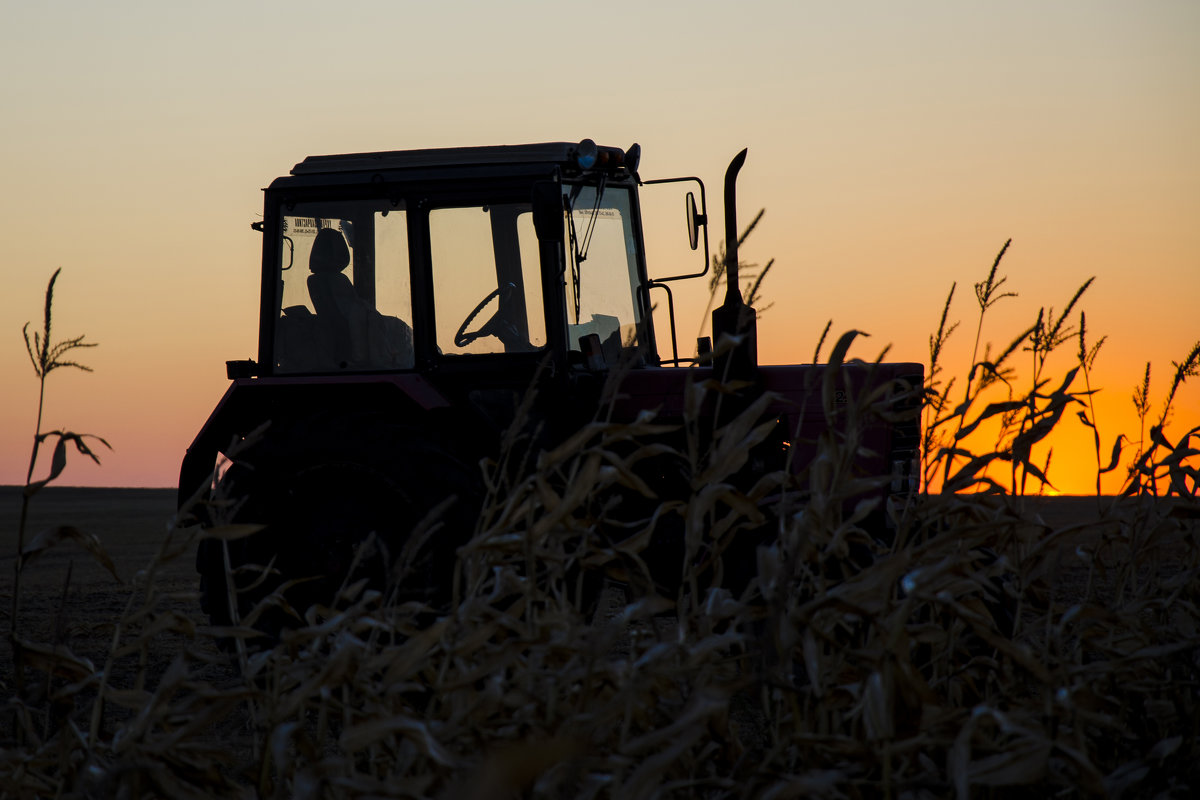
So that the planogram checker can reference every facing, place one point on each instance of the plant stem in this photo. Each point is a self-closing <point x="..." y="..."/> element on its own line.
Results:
<point x="18" y="565"/>
<point x="17" y="562"/>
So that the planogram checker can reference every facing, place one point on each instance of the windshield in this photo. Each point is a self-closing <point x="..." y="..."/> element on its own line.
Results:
<point x="602" y="280"/>
<point x="343" y="295"/>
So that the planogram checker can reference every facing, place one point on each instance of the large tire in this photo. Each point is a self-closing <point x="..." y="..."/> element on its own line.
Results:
<point x="321" y="489"/>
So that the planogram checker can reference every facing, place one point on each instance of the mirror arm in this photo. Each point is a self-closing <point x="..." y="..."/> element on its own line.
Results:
<point x="703" y="214"/>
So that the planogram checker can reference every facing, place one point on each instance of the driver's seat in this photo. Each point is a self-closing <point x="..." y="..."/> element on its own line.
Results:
<point x="362" y="338"/>
<point x="332" y="293"/>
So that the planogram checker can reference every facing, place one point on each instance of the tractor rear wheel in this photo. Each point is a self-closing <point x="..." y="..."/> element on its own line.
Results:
<point x="321" y="491"/>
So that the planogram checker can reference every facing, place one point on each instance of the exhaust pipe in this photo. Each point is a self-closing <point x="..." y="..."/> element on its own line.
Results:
<point x="734" y="317"/>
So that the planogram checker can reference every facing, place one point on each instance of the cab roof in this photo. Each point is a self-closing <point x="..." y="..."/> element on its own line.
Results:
<point x="509" y="154"/>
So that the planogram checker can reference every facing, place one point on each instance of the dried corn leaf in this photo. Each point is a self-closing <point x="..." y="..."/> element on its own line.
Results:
<point x="52" y="537"/>
<point x="54" y="659"/>
<point x="364" y="734"/>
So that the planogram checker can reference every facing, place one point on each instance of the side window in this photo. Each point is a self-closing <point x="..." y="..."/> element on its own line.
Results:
<point x="487" y="283"/>
<point x="345" y="302"/>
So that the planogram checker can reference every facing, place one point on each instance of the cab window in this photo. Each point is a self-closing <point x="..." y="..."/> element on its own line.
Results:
<point x="487" y="285"/>
<point x="343" y="291"/>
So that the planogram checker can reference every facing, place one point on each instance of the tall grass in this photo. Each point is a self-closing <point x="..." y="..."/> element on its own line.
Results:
<point x="979" y="649"/>
<point x="46" y="356"/>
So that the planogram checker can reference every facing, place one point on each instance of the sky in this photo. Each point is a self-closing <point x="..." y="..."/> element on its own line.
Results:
<point x="895" y="148"/>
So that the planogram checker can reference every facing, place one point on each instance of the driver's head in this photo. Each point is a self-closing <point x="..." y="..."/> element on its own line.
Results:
<point x="329" y="252"/>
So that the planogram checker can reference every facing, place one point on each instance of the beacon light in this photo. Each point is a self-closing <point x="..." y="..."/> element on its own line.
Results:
<point x="585" y="154"/>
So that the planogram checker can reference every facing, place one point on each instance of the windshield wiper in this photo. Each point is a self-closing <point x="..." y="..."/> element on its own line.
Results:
<point x="579" y="251"/>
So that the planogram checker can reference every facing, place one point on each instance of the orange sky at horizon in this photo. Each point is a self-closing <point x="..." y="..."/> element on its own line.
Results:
<point x="894" y="150"/>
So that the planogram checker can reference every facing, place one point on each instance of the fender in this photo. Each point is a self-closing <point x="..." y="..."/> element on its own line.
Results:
<point x="250" y="402"/>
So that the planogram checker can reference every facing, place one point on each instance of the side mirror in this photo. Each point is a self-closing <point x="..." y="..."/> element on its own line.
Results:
<point x="694" y="220"/>
<point x="548" y="211"/>
<point x="291" y="253"/>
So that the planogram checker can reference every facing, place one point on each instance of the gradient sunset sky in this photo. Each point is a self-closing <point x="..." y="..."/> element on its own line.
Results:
<point x="894" y="146"/>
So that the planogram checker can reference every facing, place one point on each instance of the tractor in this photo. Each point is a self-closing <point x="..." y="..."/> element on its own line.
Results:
<point x="411" y="302"/>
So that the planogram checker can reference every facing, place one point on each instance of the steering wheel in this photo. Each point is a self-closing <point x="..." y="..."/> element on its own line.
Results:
<point x="501" y="329"/>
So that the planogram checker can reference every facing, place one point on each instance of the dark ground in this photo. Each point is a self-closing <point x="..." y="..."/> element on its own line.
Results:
<point x="132" y="525"/>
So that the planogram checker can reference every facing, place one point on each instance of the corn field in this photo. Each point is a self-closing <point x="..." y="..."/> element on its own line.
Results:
<point x="976" y="650"/>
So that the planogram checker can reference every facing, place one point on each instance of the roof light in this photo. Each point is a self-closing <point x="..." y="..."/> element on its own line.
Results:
<point x="585" y="154"/>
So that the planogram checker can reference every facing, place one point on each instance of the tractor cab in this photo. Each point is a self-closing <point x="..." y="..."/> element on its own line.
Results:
<point x="437" y="261"/>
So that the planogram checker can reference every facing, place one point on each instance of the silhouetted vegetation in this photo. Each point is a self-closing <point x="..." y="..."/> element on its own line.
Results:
<point x="978" y="646"/>
<point x="46" y="357"/>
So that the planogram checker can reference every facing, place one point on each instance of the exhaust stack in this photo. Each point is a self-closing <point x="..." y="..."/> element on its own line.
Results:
<point x="734" y="317"/>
